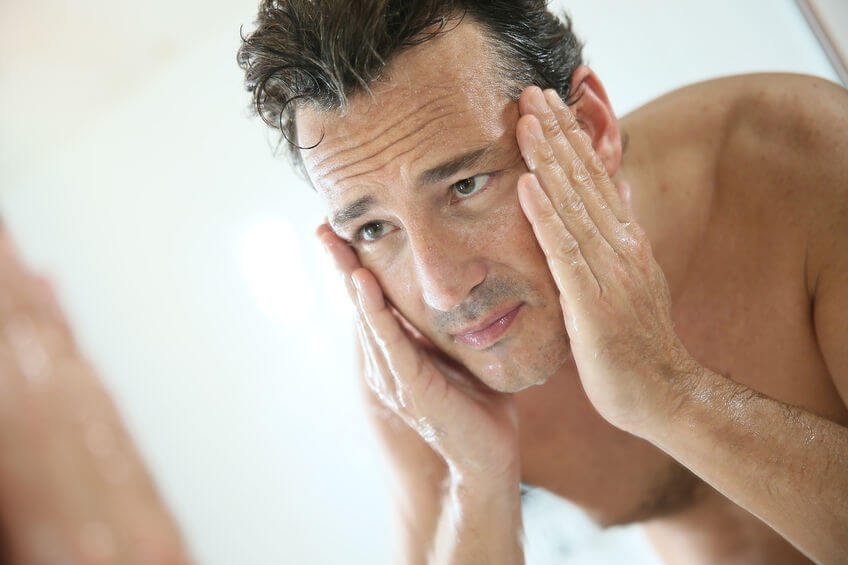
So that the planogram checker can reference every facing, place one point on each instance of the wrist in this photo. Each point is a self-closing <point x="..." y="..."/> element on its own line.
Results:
<point x="678" y="383"/>
<point x="480" y="488"/>
<point x="482" y="521"/>
<point x="491" y="477"/>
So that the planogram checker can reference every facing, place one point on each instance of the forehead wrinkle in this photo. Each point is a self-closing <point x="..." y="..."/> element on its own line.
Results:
<point x="392" y="158"/>
<point x="376" y="138"/>
<point x="378" y="169"/>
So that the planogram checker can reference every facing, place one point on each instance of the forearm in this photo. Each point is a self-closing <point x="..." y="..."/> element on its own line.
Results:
<point x="481" y="523"/>
<point x="785" y="465"/>
<point x="416" y="517"/>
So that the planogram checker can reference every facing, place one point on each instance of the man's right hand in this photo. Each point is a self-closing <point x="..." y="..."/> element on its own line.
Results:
<point x="474" y="429"/>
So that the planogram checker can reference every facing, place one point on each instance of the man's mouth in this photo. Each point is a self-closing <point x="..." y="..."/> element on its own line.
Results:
<point x="490" y="329"/>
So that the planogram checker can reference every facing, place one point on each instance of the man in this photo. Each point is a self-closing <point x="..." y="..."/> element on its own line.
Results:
<point x="644" y="315"/>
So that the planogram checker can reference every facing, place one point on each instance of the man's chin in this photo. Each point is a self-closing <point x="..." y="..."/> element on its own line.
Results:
<point x="515" y="377"/>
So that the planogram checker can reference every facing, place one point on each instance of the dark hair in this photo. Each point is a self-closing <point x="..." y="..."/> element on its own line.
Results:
<point x="323" y="51"/>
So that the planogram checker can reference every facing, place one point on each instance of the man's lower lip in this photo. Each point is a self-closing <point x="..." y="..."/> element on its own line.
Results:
<point x="486" y="337"/>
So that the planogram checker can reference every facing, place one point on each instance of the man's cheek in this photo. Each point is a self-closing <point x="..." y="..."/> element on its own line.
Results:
<point x="401" y="290"/>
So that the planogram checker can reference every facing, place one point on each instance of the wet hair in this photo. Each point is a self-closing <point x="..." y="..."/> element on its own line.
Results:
<point x="321" y="52"/>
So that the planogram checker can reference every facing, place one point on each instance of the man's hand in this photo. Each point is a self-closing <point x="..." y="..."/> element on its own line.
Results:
<point x="472" y="428"/>
<point x="73" y="489"/>
<point x="782" y="463"/>
<point x="614" y="296"/>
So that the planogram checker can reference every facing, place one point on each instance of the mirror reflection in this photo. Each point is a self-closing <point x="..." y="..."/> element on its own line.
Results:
<point x="422" y="282"/>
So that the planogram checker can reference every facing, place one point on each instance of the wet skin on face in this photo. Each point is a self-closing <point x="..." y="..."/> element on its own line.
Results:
<point x="421" y="178"/>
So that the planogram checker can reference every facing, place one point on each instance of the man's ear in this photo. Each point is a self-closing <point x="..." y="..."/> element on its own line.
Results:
<point x="596" y="116"/>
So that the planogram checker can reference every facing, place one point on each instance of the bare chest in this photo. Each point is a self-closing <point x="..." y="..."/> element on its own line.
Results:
<point x="741" y="303"/>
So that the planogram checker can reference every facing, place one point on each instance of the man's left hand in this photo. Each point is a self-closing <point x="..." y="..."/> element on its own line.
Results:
<point x="614" y="295"/>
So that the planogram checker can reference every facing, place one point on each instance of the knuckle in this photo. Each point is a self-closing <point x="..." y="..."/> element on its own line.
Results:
<point x="581" y="135"/>
<point x="629" y="237"/>
<point x="617" y="272"/>
<point x="637" y="231"/>
<point x="590" y="231"/>
<point x="567" y="114"/>
<point x="550" y="125"/>
<point x="567" y="249"/>
<point x="580" y="172"/>
<point x="546" y="158"/>
<point x="575" y="206"/>
<point x="551" y="220"/>
<point x="640" y="238"/>
<point x="639" y="245"/>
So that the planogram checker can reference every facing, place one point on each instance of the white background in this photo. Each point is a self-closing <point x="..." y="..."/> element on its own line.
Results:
<point x="132" y="175"/>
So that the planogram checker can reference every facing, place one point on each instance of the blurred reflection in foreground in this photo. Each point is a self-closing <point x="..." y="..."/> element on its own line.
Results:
<point x="73" y="488"/>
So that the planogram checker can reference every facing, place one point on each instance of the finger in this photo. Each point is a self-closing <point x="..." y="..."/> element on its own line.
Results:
<point x="403" y="360"/>
<point x="414" y="333"/>
<point x="565" y="201"/>
<point x="571" y="272"/>
<point x="376" y="373"/>
<point x="582" y="145"/>
<point x="342" y="253"/>
<point x="556" y="131"/>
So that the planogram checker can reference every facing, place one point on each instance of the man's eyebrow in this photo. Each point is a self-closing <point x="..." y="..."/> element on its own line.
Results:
<point x="352" y="211"/>
<point x="448" y="169"/>
<point x="433" y="175"/>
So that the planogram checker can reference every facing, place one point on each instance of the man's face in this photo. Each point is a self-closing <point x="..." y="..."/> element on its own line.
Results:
<point x="421" y="179"/>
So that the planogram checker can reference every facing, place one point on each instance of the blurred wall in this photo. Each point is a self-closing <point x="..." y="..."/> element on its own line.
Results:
<point x="131" y="173"/>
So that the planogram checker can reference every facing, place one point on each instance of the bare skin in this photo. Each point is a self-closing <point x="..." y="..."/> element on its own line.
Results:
<point x="682" y="306"/>
<point x="705" y="324"/>
<point x="73" y="488"/>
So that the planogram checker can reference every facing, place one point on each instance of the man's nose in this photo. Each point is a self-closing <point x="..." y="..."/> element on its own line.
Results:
<point x="446" y="267"/>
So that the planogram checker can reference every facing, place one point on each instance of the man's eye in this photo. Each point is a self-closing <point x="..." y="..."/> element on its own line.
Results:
<point x="373" y="231"/>
<point x="469" y="187"/>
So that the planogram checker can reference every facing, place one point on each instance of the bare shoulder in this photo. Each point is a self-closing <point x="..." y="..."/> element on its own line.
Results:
<point x="797" y="126"/>
<point x="768" y="149"/>
<point x="791" y="132"/>
<point x="798" y="120"/>
<point x="765" y="139"/>
<point x="780" y="177"/>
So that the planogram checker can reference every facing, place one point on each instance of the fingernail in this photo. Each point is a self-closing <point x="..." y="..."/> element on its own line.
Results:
<point x="531" y="196"/>
<point x="536" y="130"/>
<point x="537" y="101"/>
<point x="552" y="96"/>
<point x="325" y="245"/>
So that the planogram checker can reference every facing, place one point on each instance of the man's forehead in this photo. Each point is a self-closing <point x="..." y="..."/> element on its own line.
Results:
<point x="421" y="149"/>
<point x="374" y="122"/>
<point x="446" y="77"/>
